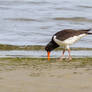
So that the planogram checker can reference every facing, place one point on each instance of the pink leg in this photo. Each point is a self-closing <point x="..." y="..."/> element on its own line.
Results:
<point x="62" y="54"/>
<point x="69" y="57"/>
<point x="61" y="58"/>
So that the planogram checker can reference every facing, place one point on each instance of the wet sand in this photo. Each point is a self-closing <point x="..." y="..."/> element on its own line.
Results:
<point x="39" y="75"/>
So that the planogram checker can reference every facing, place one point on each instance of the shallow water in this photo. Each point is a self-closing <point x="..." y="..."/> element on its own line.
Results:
<point x="33" y="22"/>
<point x="43" y="54"/>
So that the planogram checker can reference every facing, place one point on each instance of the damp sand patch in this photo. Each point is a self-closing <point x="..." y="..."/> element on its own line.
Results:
<point x="42" y="63"/>
<point x="33" y="47"/>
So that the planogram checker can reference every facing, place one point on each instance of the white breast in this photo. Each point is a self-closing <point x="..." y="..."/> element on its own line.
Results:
<point x="69" y="41"/>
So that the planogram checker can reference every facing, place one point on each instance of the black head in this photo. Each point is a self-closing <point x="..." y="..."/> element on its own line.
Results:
<point x="51" y="46"/>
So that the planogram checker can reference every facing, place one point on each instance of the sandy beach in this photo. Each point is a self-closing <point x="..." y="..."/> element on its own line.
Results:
<point x="32" y="75"/>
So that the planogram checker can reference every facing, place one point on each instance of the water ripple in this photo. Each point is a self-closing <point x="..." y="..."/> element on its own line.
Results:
<point x="20" y="19"/>
<point x="76" y="19"/>
<point x="85" y="6"/>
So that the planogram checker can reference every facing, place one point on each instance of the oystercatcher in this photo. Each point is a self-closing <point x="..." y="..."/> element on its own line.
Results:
<point x="65" y="38"/>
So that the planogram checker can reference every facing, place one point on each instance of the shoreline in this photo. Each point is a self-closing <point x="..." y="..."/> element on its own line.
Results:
<point x="43" y="54"/>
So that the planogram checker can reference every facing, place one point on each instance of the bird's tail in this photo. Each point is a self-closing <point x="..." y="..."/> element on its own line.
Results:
<point x="89" y="31"/>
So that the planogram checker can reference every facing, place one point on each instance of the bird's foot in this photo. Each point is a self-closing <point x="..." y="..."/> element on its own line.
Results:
<point x="69" y="58"/>
<point x="59" y="59"/>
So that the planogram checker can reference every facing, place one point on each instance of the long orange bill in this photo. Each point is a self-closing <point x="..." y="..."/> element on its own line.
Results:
<point x="48" y="55"/>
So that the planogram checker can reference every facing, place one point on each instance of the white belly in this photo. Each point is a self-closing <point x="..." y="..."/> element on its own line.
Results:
<point x="69" y="41"/>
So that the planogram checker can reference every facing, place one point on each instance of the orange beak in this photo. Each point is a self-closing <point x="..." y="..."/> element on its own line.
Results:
<point x="48" y="55"/>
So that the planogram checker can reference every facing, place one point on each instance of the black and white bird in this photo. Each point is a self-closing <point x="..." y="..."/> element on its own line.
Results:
<point x="65" y="38"/>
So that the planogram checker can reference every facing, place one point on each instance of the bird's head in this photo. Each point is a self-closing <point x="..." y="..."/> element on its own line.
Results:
<point x="49" y="47"/>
